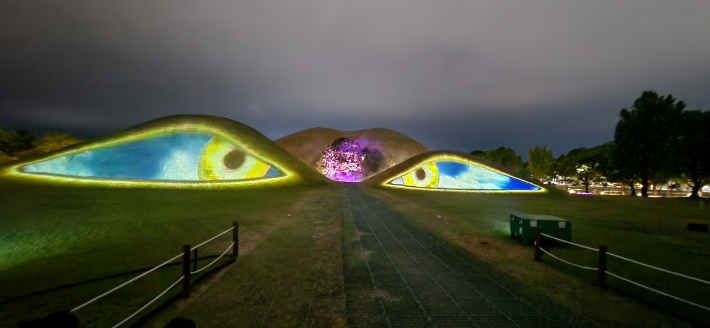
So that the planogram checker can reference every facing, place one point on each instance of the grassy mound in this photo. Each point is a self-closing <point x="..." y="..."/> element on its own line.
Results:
<point x="244" y="135"/>
<point x="408" y="164"/>
<point x="308" y="144"/>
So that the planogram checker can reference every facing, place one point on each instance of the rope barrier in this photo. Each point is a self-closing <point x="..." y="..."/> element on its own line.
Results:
<point x="659" y="269"/>
<point x="657" y="291"/>
<point x="570" y="263"/>
<point x="211" y="239"/>
<point x="571" y="243"/>
<point x="152" y="270"/>
<point x="125" y="283"/>
<point x="149" y="303"/>
<point x="213" y="262"/>
<point x="627" y="280"/>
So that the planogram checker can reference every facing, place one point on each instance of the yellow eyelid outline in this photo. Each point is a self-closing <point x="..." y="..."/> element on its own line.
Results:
<point x="148" y="130"/>
<point x="449" y="156"/>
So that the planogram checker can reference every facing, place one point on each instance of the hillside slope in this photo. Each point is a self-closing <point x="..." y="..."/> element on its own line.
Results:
<point x="250" y="141"/>
<point x="308" y="144"/>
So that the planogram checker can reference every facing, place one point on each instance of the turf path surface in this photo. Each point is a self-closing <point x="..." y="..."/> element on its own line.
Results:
<point x="396" y="275"/>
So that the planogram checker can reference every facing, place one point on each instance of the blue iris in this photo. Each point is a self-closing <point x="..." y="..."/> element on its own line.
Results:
<point x="151" y="158"/>
<point x="451" y="169"/>
<point x="517" y="184"/>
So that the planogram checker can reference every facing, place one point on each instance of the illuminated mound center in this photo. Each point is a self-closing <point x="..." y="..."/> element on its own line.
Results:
<point x="346" y="161"/>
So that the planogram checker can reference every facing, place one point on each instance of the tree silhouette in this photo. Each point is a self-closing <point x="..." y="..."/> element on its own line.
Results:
<point x="646" y="136"/>
<point x="694" y="151"/>
<point x="12" y="143"/>
<point x="540" y="161"/>
<point x="586" y="164"/>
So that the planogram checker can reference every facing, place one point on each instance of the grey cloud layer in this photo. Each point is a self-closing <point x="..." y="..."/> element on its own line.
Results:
<point x="422" y="67"/>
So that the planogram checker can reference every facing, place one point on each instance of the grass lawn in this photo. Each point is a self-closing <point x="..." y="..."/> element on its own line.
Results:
<point x="290" y="279"/>
<point x="53" y="236"/>
<point x="647" y="230"/>
<point x="289" y="269"/>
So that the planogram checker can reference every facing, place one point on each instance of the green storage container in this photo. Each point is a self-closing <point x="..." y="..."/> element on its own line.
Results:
<point x="525" y="225"/>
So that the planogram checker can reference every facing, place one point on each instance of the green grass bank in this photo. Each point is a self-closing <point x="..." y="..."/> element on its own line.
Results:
<point x="647" y="230"/>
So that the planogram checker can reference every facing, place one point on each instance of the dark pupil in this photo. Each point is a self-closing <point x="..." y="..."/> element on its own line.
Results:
<point x="234" y="159"/>
<point x="421" y="174"/>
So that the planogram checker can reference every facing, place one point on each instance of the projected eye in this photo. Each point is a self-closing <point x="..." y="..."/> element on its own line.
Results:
<point x="172" y="157"/>
<point x="425" y="176"/>
<point x="222" y="160"/>
<point x="454" y="173"/>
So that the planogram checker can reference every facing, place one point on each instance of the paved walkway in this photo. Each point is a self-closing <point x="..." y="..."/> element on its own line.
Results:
<point x="396" y="275"/>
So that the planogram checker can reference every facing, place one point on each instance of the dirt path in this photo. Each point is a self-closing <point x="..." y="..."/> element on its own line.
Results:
<point x="396" y="275"/>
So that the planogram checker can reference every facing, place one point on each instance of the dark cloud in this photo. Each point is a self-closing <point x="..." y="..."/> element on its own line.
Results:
<point x="452" y="74"/>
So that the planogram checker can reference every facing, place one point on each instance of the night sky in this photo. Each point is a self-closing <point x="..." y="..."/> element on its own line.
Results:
<point x="458" y="75"/>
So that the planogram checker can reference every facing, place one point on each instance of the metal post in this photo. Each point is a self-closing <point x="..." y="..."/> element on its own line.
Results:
<point x="235" y="239"/>
<point x="602" y="266"/>
<point x="185" y="271"/>
<point x="538" y="240"/>
<point x="194" y="260"/>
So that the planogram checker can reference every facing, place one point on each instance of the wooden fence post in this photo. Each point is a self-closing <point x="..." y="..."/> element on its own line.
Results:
<point x="235" y="239"/>
<point x="185" y="271"/>
<point x="602" y="266"/>
<point x="194" y="260"/>
<point x="538" y="241"/>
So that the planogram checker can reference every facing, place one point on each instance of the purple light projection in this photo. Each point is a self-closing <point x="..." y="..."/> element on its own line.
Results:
<point x="342" y="161"/>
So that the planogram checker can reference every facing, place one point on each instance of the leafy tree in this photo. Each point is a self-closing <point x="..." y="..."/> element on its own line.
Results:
<point x="615" y="175"/>
<point x="507" y="158"/>
<point x="562" y="167"/>
<point x="4" y="158"/>
<point x="540" y="161"/>
<point x="659" y="178"/>
<point x="694" y="150"/>
<point x="566" y="165"/>
<point x="15" y="142"/>
<point x="610" y="172"/>
<point x="50" y="142"/>
<point x="570" y="165"/>
<point x="588" y="165"/>
<point x="645" y="137"/>
<point x="19" y="144"/>
<point x="617" y="172"/>
<point x="604" y="158"/>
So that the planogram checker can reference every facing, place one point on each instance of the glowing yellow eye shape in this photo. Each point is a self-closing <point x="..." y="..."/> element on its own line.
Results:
<point x="171" y="157"/>
<point x="425" y="176"/>
<point x="453" y="173"/>
<point x="221" y="160"/>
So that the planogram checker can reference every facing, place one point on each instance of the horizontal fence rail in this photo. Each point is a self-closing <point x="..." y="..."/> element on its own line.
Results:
<point x="215" y="261"/>
<point x="186" y="272"/>
<point x="213" y="238"/>
<point x="657" y="291"/>
<point x="125" y="284"/>
<point x="569" y="242"/>
<point x="660" y="269"/>
<point x="602" y="267"/>
<point x="570" y="263"/>
<point x="149" y="303"/>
